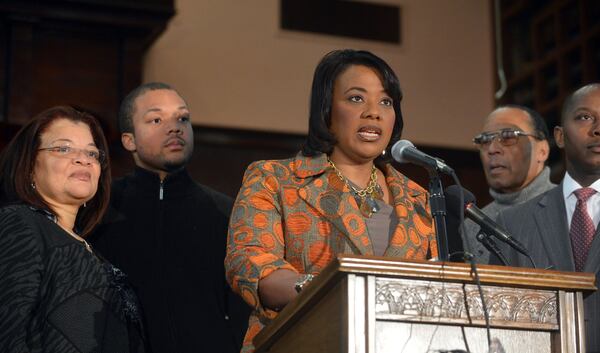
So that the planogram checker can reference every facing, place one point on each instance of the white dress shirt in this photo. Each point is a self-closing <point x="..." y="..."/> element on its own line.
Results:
<point x="593" y="203"/>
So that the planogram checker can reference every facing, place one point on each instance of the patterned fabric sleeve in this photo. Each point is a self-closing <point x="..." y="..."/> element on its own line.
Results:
<point x="255" y="246"/>
<point x="20" y="277"/>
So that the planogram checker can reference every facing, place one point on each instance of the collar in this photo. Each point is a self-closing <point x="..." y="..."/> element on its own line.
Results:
<point x="51" y="216"/>
<point x="150" y="176"/>
<point x="306" y="167"/>
<point x="570" y="185"/>
<point x="538" y="185"/>
<point x="177" y="182"/>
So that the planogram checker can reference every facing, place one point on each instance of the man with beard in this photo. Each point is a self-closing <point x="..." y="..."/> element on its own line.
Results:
<point x="560" y="227"/>
<point x="168" y="233"/>
<point x="513" y="147"/>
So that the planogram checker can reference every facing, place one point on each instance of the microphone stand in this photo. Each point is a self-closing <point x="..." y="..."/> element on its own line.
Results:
<point x="437" y="200"/>
<point x="490" y="244"/>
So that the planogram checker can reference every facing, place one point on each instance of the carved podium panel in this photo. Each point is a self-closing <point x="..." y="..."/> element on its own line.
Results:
<point x="374" y="304"/>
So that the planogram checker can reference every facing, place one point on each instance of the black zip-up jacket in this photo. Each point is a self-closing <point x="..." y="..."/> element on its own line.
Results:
<point x="169" y="237"/>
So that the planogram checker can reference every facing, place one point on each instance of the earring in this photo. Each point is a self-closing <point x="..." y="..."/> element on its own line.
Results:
<point x="33" y="185"/>
<point x="383" y="153"/>
<point x="84" y="204"/>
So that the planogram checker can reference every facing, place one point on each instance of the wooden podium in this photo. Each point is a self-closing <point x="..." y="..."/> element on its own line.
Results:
<point x="373" y="304"/>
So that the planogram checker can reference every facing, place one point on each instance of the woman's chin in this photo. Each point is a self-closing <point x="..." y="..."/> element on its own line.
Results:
<point x="81" y="196"/>
<point x="370" y="155"/>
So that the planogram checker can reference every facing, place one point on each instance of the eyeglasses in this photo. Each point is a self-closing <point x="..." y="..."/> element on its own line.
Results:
<point x="505" y="137"/>
<point x="72" y="152"/>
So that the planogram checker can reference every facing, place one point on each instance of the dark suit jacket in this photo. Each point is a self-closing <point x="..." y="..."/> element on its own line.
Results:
<point x="541" y="225"/>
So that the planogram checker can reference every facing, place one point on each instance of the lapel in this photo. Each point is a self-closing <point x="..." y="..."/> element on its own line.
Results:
<point x="592" y="263"/>
<point x="551" y="220"/>
<point x="404" y="194"/>
<point x="325" y="192"/>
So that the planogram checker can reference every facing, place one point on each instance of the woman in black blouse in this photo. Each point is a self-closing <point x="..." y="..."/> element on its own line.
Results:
<point x="56" y="293"/>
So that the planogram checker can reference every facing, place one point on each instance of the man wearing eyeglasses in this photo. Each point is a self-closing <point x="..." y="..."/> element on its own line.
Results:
<point x="560" y="227"/>
<point x="513" y="147"/>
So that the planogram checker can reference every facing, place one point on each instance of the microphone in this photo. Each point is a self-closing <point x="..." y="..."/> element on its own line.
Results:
<point x="404" y="151"/>
<point x="488" y="226"/>
<point x="490" y="244"/>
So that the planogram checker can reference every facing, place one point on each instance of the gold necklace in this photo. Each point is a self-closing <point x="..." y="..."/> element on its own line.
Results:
<point x="365" y="197"/>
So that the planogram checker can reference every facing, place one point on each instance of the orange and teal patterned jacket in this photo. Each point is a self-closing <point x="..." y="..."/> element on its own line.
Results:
<point x="297" y="214"/>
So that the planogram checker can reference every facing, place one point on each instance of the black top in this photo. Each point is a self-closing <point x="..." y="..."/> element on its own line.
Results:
<point x="170" y="237"/>
<point x="55" y="295"/>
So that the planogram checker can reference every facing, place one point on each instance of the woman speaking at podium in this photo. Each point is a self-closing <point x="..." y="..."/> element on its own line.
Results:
<point x="337" y="196"/>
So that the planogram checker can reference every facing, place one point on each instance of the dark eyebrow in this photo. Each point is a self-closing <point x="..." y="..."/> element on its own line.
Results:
<point x="355" y="88"/>
<point x="362" y="90"/>
<point x="70" y="141"/>
<point x="61" y="139"/>
<point x="154" y="110"/>
<point x="581" y="109"/>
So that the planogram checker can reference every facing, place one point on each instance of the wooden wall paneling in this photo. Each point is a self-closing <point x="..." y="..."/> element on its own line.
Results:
<point x="4" y="54"/>
<point x="550" y="48"/>
<point x="131" y="54"/>
<point x="87" y="53"/>
<point x="7" y="131"/>
<point x="80" y="68"/>
<point x="20" y="75"/>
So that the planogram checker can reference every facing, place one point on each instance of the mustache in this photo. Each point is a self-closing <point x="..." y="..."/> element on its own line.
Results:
<point x="177" y="139"/>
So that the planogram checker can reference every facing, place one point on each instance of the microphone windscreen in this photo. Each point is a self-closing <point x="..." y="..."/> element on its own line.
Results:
<point x="453" y="224"/>
<point x="397" y="150"/>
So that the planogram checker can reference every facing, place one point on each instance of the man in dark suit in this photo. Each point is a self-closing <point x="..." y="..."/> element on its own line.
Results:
<point x="513" y="147"/>
<point x="560" y="227"/>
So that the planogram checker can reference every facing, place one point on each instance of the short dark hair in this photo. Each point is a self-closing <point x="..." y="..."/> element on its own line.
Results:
<point x="574" y="97"/>
<point x="127" y="109"/>
<point x="17" y="163"/>
<point x="320" y="139"/>
<point x="536" y="119"/>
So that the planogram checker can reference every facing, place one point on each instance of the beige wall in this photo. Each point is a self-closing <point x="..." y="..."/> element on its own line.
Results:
<point x="237" y="68"/>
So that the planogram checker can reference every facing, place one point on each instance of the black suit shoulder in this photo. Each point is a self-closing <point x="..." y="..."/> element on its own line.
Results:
<point x="22" y="222"/>
<point x="519" y="214"/>
<point x="541" y="226"/>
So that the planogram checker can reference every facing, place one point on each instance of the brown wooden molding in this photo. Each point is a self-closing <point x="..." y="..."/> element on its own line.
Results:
<point x="457" y="271"/>
<point x="241" y="138"/>
<point x="127" y="12"/>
